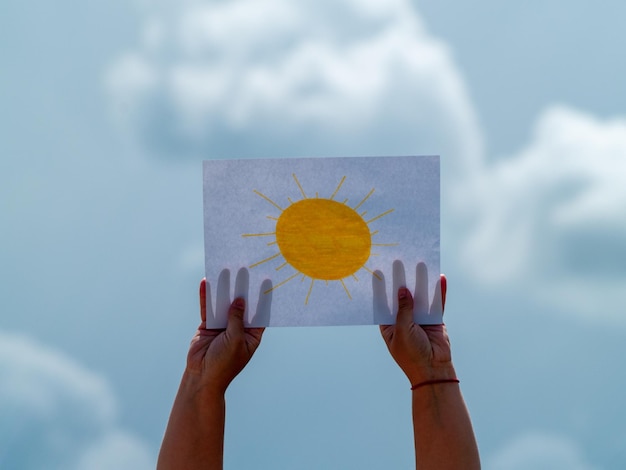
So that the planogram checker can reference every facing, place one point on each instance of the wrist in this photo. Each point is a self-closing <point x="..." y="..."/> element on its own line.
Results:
<point x="433" y="372"/>
<point x="200" y="391"/>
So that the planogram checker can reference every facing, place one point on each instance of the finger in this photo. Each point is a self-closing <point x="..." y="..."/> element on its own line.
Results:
<point x="399" y="280"/>
<point x="234" y="327"/>
<point x="264" y="305"/>
<point x="382" y="314"/>
<point x="386" y="332"/>
<point x="436" y="308"/>
<point x="444" y="291"/>
<point x="209" y="321"/>
<point x="421" y="290"/>
<point x="241" y="284"/>
<point x="222" y="302"/>
<point x="405" y="308"/>
<point x="203" y="300"/>
<point x="257" y="334"/>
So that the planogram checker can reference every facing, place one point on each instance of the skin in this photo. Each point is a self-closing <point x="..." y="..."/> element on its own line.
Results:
<point x="194" y="438"/>
<point x="443" y="434"/>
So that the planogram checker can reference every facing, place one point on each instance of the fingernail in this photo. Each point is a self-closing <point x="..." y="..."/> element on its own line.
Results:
<point x="239" y="303"/>
<point x="402" y="292"/>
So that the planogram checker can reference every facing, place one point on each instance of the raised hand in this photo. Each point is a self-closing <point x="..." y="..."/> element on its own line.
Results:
<point x="421" y="351"/>
<point x="216" y="356"/>
<point x="194" y="437"/>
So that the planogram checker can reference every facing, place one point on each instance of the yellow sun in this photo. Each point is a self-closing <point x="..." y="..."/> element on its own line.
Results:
<point x="321" y="238"/>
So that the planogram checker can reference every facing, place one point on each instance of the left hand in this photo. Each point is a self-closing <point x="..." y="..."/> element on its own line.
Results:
<point x="421" y="351"/>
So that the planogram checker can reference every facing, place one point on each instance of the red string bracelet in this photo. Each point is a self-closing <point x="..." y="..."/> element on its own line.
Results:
<point x="432" y="382"/>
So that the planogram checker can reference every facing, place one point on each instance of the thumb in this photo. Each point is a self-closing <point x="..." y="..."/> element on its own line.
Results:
<point x="235" y="317"/>
<point x="405" y="307"/>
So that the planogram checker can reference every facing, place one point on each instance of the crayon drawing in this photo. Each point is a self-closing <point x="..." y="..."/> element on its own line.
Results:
<point x="314" y="240"/>
<point x="321" y="238"/>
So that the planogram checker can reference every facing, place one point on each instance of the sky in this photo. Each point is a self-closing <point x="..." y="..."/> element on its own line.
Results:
<point x="108" y="109"/>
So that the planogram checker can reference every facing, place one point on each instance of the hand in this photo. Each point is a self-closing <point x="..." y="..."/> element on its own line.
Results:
<point x="194" y="437"/>
<point x="216" y="356"/>
<point x="422" y="352"/>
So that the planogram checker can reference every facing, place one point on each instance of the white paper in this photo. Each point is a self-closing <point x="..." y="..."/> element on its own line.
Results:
<point x="312" y="241"/>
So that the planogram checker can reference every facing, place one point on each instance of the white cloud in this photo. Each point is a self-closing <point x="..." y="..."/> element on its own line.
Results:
<point x="551" y="218"/>
<point x="539" y="451"/>
<point x="57" y="415"/>
<point x="274" y="77"/>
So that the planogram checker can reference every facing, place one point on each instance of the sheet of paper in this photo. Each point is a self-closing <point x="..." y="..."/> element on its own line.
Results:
<point x="312" y="241"/>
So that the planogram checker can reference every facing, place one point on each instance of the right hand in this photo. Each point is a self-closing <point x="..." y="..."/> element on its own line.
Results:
<point x="216" y="356"/>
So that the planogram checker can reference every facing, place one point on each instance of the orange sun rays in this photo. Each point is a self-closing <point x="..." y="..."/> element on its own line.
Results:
<point x="320" y="238"/>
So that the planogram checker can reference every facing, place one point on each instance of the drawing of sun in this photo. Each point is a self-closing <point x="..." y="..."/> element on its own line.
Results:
<point x="321" y="238"/>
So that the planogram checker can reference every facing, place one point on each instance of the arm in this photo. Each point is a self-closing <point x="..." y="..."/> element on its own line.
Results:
<point x="443" y="433"/>
<point x="194" y="437"/>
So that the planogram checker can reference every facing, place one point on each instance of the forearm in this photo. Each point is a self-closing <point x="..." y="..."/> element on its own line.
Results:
<point x="444" y="438"/>
<point x="194" y="437"/>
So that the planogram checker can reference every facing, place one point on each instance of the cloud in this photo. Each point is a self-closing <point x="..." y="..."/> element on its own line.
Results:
<point x="550" y="218"/>
<point x="539" y="451"/>
<point x="276" y="78"/>
<point x="57" y="415"/>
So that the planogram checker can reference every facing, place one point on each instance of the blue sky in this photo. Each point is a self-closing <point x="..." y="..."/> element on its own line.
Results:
<point x="107" y="111"/>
